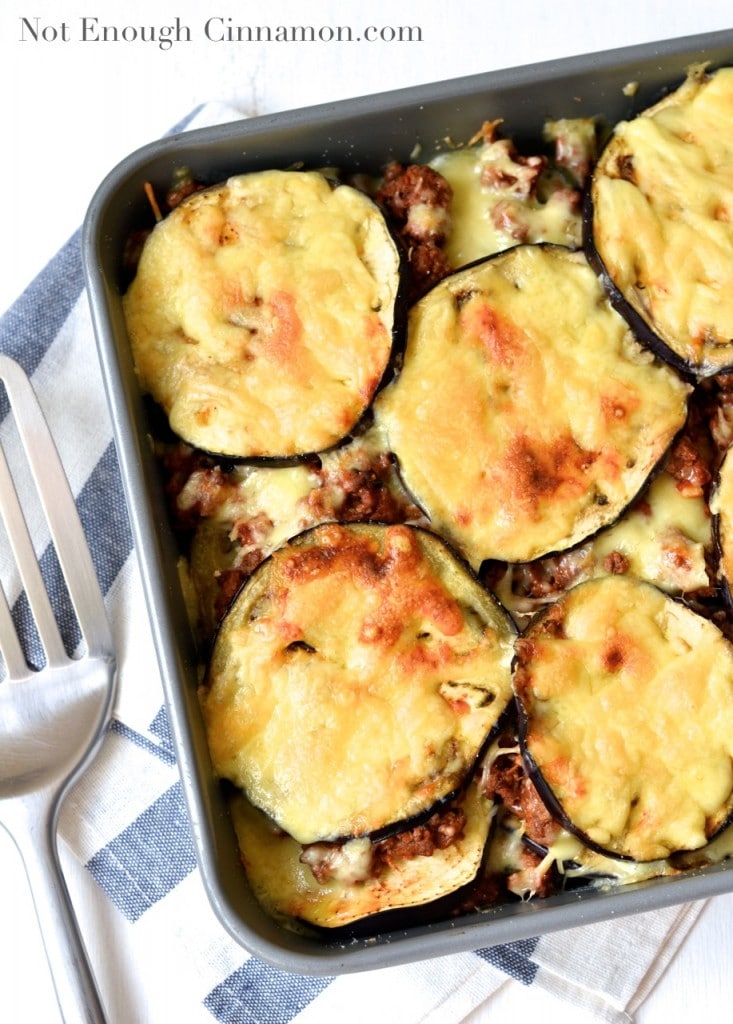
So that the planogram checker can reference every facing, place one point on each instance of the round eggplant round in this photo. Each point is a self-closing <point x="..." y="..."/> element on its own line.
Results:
<point x="354" y="880"/>
<point x="526" y="416"/>
<point x="660" y="222"/>
<point x="263" y="312"/>
<point x="626" y="718"/>
<point x="355" y="679"/>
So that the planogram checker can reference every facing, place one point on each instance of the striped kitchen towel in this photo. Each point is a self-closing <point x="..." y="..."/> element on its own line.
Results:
<point x="166" y="957"/>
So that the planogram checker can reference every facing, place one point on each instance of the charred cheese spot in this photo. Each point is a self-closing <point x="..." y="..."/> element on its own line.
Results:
<point x="539" y="470"/>
<point x="613" y="656"/>
<point x="262" y="311"/>
<point x="366" y="686"/>
<point x="509" y="380"/>
<point x="661" y="200"/>
<point x="629" y="719"/>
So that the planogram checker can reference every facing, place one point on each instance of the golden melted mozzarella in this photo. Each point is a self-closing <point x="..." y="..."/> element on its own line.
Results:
<point x="261" y="314"/>
<point x="354" y="679"/>
<point x="526" y="416"/>
<point x="629" y="702"/>
<point x="285" y="885"/>
<point x="663" y="218"/>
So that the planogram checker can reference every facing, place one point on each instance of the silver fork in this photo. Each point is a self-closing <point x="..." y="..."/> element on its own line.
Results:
<point x="52" y="719"/>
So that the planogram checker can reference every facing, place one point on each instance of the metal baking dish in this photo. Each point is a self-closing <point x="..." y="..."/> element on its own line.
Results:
<point x="359" y="134"/>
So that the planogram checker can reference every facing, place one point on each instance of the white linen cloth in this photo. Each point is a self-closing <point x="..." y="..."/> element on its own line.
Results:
<point x="125" y="822"/>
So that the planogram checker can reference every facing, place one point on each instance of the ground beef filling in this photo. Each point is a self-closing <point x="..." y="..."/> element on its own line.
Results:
<point x="440" y="830"/>
<point x="196" y="486"/>
<point x="508" y="782"/>
<point x="416" y="199"/>
<point x="689" y="468"/>
<point x="359" y="493"/>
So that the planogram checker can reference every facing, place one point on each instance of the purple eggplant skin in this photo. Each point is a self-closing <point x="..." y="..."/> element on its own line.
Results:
<point x="724" y="583"/>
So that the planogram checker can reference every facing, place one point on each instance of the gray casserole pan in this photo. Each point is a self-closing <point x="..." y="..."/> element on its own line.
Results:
<point x="360" y="134"/>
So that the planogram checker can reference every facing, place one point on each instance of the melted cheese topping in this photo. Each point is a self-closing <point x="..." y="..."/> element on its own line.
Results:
<point x="260" y="509"/>
<point x="275" y="496"/>
<point x="355" y="679"/>
<point x="629" y="703"/>
<point x="286" y="886"/>
<point x="261" y="314"/>
<point x="525" y="416"/>
<point x="574" y="860"/>
<point x="663" y="218"/>
<point x="720" y="849"/>
<point x="486" y="219"/>
<point x="664" y="538"/>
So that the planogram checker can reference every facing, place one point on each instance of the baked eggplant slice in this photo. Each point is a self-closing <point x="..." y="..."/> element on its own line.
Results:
<point x="626" y="706"/>
<point x="261" y="316"/>
<point x="661" y="221"/>
<point x="354" y="880"/>
<point x="721" y="506"/>
<point x="526" y="416"/>
<point x="355" y="679"/>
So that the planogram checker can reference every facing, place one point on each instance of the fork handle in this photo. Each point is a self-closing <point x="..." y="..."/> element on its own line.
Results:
<point x="76" y="989"/>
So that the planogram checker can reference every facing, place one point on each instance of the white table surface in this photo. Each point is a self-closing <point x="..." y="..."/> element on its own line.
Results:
<point x="72" y="109"/>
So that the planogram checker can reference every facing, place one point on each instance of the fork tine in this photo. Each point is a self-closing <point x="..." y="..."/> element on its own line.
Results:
<point x="60" y="510"/>
<point x="30" y="574"/>
<point x="10" y="648"/>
